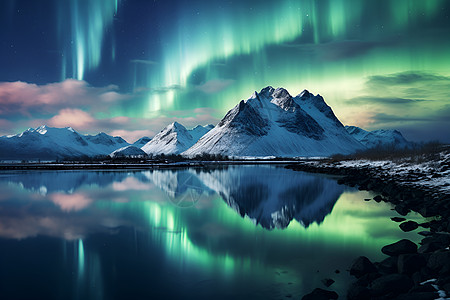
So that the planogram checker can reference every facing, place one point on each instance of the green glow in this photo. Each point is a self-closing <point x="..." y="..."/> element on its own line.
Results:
<point x="328" y="47"/>
<point x="208" y="238"/>
<point x="80" y="258"/>
<point x="83" y="34"/>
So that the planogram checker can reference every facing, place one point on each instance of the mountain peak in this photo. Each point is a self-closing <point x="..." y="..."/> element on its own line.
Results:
<point x="281" y="93"/>
<point x="267" y="91"/>
<point x="174" y="139"/>
<point x="305" y="94"/>
<point x="42" y="129"/>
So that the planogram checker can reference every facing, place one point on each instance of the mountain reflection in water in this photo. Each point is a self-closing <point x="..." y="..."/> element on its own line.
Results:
<point x="252" y="191"/>
<point x="139" y="234"/>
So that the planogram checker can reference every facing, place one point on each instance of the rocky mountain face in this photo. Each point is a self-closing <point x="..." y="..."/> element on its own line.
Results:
<point x="273" y="123"/>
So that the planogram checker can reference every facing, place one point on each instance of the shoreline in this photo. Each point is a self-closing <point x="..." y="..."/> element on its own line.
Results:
<point x="134" y="166"/>
<point x="410" y="271"/>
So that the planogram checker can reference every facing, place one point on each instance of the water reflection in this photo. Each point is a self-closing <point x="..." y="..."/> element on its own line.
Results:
<point x="252" y="191"/>
<point x="117" y="235"/>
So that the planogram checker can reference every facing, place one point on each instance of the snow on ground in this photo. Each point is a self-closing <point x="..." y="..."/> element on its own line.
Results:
<point x="432" y="174"/>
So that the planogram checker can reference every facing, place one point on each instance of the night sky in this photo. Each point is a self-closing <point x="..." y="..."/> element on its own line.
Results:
<point x="130" y="67"/>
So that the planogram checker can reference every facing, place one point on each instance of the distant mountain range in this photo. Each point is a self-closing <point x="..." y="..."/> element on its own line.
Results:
<point x="379" y="138"/>
<point x="269" y="123"/>
<point x="49" y="143"/>
<point x="175" y="139"/>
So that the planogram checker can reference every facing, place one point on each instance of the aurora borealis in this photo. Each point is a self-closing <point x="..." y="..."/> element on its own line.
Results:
<point x="130" y="67"/>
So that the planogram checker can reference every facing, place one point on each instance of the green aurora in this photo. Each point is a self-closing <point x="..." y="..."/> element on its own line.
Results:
<point x="378" y="64"/>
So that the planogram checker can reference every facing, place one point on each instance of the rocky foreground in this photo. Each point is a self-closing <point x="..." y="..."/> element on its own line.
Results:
<point x="420" y="184"/>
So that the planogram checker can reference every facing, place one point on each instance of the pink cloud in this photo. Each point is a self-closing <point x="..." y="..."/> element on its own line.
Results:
<point x="73" y="202"/>
<point x="22" y="98"/>
<point x="131" y="183"/>
<point x="71" y="117"/>
<point x="132" y="135"/>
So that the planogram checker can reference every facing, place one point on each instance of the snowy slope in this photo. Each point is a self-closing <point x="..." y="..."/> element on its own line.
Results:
<point x="174" y="139"/>
<point x="379" y="138"/>
<point x="49" y="143"/>
<point x="128" y="151"/>
<point x="273" y="123"/>
<point x="142" y="141"/>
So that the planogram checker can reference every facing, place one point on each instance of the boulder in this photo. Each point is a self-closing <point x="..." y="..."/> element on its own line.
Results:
<point x="392" y="284"/>
<point x="410" y="263"/>
<point x="319" y="294"/>
<point x="328" y="282"/>
<point x="357" y="292"/>
<point x="362" y="266"/>
<point x="408" y="226"/>
<point x="401" y="247"/>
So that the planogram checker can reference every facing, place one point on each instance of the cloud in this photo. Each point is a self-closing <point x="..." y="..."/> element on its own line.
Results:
<point x="406" y="78"/>
<point x="132" y="135"/>
<point x="70" y="117"/>
<point x="144" y="62"/>
<point x="26" y="99"/>
<point x="214" y="85"/>
<point x="72" y="202"/>
<point x="383" y="100"/>
<point x="388" y="118"/>
<point x="339" y="50"/>
<point x="159" y="90"/>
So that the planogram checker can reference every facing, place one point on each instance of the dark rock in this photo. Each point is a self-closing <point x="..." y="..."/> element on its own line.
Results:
<point x="418" y="296"/>
<point x="425" y="225"/>
<point x="401" y="247"/>
<point x="410" y="263"/>
<point x="443" y="280"/>
<point x="392" y="284"/>
<point x="446" y="287"/>
<point x="388" y="266"/>
<point x="402" y="209"/>
<point x="356" y="292"/>
<point x="362" y="266"/>
<point x="424" y="233"/>
<point x="319" y="294"/>
<point x="428" y="211"/>
<point x="378" y="198"/>
<point x="438" y="260"/>
<point x="442" y="238"/>
<point x="423" y="288"/>
<point x="430" y="247"/>
<point x="328" y="282"/>
<point x="367" y="279"/>
<point x="398" y="219"/>
<point x="408" y="226"/>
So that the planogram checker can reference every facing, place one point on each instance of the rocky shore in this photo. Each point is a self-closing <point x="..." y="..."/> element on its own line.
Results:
<point x="410" y="271"/>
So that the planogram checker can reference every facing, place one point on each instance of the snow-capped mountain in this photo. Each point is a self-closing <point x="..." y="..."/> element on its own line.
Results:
<point x="273" y="123"/>
<point x="48" y="143"/>
<point x="142" y="141"/>
<point x="128" y="151"/>
<point x="174" y="139"/>
<point x="379" y="138"/>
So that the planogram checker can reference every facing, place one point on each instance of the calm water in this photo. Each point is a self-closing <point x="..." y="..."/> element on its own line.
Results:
<point x="239" y="232"/>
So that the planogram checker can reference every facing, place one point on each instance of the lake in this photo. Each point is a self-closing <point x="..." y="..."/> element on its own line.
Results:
<point x="241" y="232"/>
